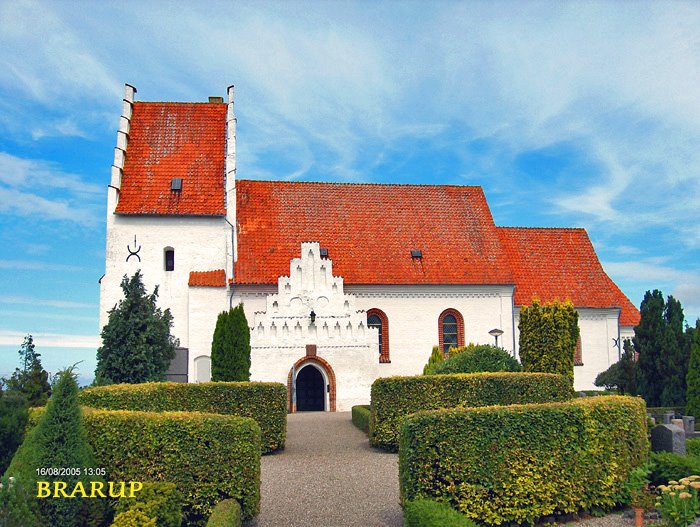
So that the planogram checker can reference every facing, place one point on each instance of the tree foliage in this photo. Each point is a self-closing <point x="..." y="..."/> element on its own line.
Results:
<point x="436" y="357"/>
<point x="548" y="336"/>
<point x="31" y="381"/>
<point x="230" y="347"/>
<point x="621" y="376"/>
<point x="693" y="376"/>
<point x="476" y="358"/>
<point x="13" y="421"/>
<point x="136" y="342"/>
<point x="664" y="350"/>
<point x="59" y="440"/>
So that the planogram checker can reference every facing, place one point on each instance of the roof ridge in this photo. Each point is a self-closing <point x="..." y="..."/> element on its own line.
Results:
<point x="368" y="184"/>
<point x="541" y="228"/>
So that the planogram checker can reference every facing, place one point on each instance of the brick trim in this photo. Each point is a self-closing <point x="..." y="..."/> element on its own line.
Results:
<point x="330" y="374"/>
<point x="384" y="357"/>
<point x="460" y="326"/>
<point x="578" y="358"/>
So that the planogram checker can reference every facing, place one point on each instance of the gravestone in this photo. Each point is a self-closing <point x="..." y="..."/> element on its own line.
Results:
<point x="668" y="438"/>
<point x="678" y="423"/>
<point x="689" y="425"/>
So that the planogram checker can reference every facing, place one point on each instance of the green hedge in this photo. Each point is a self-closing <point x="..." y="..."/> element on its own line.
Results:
<point x="360" y="417"/>
<point x="227" y="513"/>
<point x="522" y="462"/>
<point x="667" y="466"/>
<point x="394" y="398"/>
<point x="159" y="500"/>
<point x="266" y="402"/>
<point x="430" y="513"/>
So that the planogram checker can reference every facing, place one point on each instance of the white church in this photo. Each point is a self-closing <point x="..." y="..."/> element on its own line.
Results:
<point x="341" y="283"/>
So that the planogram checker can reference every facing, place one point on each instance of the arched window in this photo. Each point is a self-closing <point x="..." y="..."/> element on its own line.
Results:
<point x="451" y="329"/>
<point x="376" y="318"/>
<point x="169" y="254"/>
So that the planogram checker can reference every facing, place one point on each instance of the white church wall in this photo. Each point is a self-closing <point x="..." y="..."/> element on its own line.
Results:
<point x="204" y="306"/>
<point x="200" y="244"/>
<point x="598" y="328"/>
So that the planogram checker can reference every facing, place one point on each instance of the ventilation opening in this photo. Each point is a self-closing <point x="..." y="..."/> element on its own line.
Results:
<point x="416" y="253"/>
<point x="324" y="252"/>
<point x="176" y="183"/>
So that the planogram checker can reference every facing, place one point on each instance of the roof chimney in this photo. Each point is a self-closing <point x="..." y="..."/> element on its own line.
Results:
<point x="219" y="100"/>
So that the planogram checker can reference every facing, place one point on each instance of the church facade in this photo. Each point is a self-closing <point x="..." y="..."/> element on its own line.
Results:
<point x="340" y="283"/>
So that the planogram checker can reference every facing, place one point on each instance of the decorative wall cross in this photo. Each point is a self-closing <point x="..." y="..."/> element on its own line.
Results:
<point x="134" y="252"/>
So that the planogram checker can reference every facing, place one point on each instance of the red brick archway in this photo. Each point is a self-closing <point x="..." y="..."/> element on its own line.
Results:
<point x="330" y="375"/>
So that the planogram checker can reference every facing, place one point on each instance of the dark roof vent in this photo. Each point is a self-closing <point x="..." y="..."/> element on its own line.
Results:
<point x="176" y="183"/>
<point x="324" y="252"/>
<point x="219" y="100"/>
<point x="416" y="253"/>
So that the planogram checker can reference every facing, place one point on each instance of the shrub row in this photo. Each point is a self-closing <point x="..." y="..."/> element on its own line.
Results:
<point x="475" y="358"/>
<point x="523" y="462"/>
<point x="667" y="466"/>
<point x="209" y="457"/>
<point x="266" y="402"/>
<point x="360" y="417"/>
<point x="430" y="513"/>
<point x="227" y="513"/>
<point x="394" y="398"/>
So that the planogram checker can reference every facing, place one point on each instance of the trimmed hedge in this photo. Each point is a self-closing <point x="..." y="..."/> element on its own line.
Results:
<point x="394" y="398"/>
<point x="158" y="500"/>
<point x="667" y="466"/>
<point x="360" y="417"/>
<point x="475" y="358"/>
<point x="430" y="513"/>
<point x="522" y="462"/>
<point x="133" y="518"/>
<point x="227" y="513"/>
<point x="266" y="402"/>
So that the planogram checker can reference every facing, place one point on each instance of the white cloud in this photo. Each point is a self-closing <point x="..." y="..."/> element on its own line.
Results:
<point x="37" y="266"/>
<point x="26" y="300"/>
<point x="50" y="340"/>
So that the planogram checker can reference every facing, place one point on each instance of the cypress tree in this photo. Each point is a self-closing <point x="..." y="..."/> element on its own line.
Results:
<point x="136" y="342"/>
<point x="693" y="376"/>
<point x="647" y="342"/>
<point x="59" y="440"/>
<point x="230" y="347"/>
<point x="548" y="336"/>
<point x="675" y="354"/>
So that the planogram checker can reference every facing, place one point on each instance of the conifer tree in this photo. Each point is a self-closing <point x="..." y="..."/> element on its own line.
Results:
<point x="31" y="380"/>
<point x="230" y="347"/>
<point x="621" y="376"/>
<point x="436" y="357"/>
<point x="13" y="420"/>
<point x="693" y="376"/>
<point x="136" y="342"/>
<point x="548" y="336"/>
<point x="59" y="440"/>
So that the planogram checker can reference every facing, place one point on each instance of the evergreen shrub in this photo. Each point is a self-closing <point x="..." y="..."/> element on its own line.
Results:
<point x="394" y="398"/>
<point x="692" y="446"/>
<point x="523" y="462"/>
<point x="133" y="518"/>
<point x="436" y="357"/>
<point x="360" y="417"/>
<point x="159" y="500"/>
<point x="475" y="358"/>
<point x="548" y="336"/>
<point x="13" y="421"/>
<point x="227" y="513"/>
<point x="266" y="402"/>
<point x="430" y="513"/>
<point x="230" y="346"/>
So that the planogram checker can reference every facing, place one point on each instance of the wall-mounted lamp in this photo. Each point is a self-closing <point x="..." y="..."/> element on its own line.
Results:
<point x="312" y="316"/>
<point x="495" y="333"/>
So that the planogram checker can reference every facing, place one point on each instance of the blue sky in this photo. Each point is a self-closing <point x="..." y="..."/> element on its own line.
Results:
<point x="566" y="113"/>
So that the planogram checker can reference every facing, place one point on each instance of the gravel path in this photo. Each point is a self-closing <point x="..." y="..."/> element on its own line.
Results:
<point x="328" y="476"/>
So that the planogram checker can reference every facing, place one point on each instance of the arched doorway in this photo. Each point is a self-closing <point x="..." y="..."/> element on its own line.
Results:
<point x="327" y="375"/>
<point x="310" y="390"/>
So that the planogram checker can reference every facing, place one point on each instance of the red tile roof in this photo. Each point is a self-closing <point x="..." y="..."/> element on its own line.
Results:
<point x="561" y="264"/>
<point x="175" y="140"/>
<point x="369" y="231"/>
<point x="208" y="278"/>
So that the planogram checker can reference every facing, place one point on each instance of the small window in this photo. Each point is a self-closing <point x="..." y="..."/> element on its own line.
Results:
<point x="169" y="259"/>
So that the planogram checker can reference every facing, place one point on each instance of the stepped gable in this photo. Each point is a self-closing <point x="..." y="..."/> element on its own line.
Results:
<point x="175" y="140"/>
<point x="369" y="231"/>
<point x="549" y="263"/>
